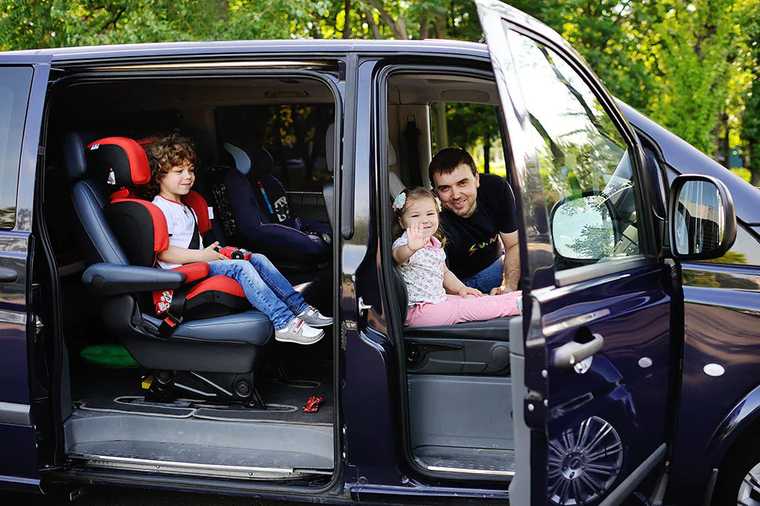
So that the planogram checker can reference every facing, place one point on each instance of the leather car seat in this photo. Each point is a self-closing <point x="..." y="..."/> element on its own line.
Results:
<point x="215" y="357"/>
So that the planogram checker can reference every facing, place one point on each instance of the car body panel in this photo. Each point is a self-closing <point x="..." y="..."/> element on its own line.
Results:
<point x="19" y="466"/>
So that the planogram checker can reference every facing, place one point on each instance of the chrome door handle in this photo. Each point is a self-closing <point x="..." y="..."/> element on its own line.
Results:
<point x="363" y="306"/>
<point x="569" y="354"/>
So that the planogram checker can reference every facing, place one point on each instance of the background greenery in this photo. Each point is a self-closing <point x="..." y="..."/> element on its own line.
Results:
<point x="692" y="66"/>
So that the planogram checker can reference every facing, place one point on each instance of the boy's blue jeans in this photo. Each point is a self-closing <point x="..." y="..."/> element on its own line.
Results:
<point x="265" y="288"/>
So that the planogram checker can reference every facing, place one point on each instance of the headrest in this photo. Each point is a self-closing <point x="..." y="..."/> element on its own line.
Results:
<point x="121" y="159"/>
<point x="392" y="158"/>
<point x="394" y="184"/>
<point x="242" y="160"/>
<point x="263" y="162"/>
<point x="73" y="153"/>
<point x="330" y="147"/>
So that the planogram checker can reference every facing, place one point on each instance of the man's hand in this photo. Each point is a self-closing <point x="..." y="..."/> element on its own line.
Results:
<point x="499" y="290"/>
<point x="464" y="292"/>
<point x="417" y="237"/>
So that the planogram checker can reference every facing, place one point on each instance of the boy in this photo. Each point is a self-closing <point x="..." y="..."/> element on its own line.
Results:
<point x="172" y="160"/>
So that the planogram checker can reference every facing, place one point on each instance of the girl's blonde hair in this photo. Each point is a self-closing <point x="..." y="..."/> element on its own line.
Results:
<point x="417" y="193"/>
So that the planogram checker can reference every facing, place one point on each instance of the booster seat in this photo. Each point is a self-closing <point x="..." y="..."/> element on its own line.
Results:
<point x="210" y="351"/>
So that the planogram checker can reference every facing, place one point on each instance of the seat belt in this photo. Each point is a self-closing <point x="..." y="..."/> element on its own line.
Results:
<point x="174" y="315"/>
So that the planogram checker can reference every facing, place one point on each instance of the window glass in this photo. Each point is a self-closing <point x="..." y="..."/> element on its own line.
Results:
<point x="474" y="127"/>
<point x="294" y="135"/>
<point x="14" y="94"/>
<point x="583" y="160"/>
<point x="745" y="251"/>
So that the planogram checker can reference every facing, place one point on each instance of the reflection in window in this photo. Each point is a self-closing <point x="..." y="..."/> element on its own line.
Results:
<point x="14" y="94"/>
<point x="745" y="250"/>
<point x="579" y="150"/>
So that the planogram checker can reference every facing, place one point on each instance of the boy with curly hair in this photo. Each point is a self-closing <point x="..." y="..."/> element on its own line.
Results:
<point x="172" y="161"/>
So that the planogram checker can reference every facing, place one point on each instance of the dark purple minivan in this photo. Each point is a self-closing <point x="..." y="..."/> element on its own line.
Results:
<point x="631" y="376"/>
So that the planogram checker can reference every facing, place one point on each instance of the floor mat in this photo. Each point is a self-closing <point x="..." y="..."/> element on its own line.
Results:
<point x="285" y="401"/>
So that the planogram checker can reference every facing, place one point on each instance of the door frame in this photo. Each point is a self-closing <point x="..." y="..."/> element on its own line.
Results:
<point x="20" y="422"/>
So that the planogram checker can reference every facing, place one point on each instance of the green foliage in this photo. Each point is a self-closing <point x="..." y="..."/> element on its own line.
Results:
<point x="693" y="66"/>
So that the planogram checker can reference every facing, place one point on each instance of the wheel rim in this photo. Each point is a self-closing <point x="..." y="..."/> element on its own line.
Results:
<point x="749" y="489"/>
<point x="583" y="463"/>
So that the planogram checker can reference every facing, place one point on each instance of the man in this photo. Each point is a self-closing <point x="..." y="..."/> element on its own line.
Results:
<point x="479" y="222"/>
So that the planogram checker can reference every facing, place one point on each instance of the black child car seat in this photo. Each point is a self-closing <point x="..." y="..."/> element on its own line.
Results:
<point x="264" y="220"/>
<point x="215" y="356"/>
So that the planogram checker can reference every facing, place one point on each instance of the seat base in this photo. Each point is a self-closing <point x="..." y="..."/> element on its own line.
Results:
<point x="224" y="344"/>
<point x="167" y="386"/>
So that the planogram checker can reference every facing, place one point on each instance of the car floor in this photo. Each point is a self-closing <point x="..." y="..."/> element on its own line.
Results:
<point x="112" y="423"/>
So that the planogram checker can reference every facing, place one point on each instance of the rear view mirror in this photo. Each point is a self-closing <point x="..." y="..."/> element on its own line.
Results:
<point x="583" y="228"/>
<point x="702" y="220"/>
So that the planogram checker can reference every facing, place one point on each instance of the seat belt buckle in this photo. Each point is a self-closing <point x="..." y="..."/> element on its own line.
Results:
<point x="169" y="324"/>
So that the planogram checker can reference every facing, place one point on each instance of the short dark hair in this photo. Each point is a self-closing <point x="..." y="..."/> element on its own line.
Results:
<point x="448" y="159"/>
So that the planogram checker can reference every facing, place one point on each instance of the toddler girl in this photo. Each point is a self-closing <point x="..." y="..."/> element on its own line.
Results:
<point x="172" y="162"/>
<point x="436" y="295"/>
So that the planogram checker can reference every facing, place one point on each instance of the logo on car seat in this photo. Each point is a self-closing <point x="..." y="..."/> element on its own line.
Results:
<point x="111" y="177"/>
<point x="281" y="210"/>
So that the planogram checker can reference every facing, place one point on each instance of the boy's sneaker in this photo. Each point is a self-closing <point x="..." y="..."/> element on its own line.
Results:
<point x="312" y="317"/>
<point x="298" y="332"/>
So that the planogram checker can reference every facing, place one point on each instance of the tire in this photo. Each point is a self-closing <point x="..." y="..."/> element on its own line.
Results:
<point x="732" y="486"/>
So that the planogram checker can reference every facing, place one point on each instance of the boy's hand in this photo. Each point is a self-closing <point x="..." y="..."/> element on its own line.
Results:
<point x="417" y="237"/>
<point x="209" y="253"/>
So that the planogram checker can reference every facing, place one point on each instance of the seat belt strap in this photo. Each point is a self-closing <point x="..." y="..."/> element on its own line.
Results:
<point x="174" y="316"/>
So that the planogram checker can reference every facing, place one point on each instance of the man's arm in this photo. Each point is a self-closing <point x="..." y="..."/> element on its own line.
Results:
<point x="511" y="276"/>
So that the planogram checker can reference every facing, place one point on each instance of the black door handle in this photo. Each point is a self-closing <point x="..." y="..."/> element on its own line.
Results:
<point x="8" y="275"/>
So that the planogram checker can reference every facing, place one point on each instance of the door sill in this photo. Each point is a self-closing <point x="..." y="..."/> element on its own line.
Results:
<point x="194" y="469"/>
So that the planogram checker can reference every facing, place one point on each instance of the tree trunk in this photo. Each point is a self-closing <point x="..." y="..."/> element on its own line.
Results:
<point x="724" y="150"/>
<point x="424" y="27"/>
<point x="347" y="19"/>
<point x="487" y="156"/>
<point x="369" y="15"/>
<point x="398" y="26"/>
<point x="752" y="162"/>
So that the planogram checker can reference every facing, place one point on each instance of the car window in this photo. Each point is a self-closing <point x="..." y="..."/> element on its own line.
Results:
<point x="15" y="83"/>
<point x="293" y="134"/>
<point x="583" y="160"/>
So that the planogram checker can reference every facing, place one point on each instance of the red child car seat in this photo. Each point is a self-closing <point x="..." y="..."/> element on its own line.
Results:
<point x="124" y="235"/>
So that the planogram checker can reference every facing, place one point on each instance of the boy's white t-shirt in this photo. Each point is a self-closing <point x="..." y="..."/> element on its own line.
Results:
<point x="180" y="220"/>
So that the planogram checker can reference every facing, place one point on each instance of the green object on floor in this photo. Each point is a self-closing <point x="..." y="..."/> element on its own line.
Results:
<point x="108" y="355"/>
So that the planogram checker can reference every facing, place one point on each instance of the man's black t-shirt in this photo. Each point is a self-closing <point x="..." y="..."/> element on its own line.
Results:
<point x="472" y="244"/>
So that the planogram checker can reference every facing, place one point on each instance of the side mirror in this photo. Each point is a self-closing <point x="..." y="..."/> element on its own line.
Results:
<point x="701" y="218"/>
<point x="583" y="228"/>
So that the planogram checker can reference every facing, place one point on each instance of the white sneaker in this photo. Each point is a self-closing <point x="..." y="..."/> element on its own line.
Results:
<point x="312" y="317"/>
<point x="298" y="332"/>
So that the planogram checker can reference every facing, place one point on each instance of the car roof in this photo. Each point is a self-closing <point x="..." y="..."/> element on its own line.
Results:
<point x="301" y="47"/>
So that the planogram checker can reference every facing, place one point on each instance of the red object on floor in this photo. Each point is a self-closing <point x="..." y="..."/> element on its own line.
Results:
<point x="312" y="403"/>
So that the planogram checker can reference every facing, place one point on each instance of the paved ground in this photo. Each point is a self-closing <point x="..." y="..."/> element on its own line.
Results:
<point x="114" y="496"/>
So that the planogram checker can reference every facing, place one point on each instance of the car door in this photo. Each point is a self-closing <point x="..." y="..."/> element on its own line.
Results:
<point x="594" y="349"/>
<point x="23" y="84"/>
